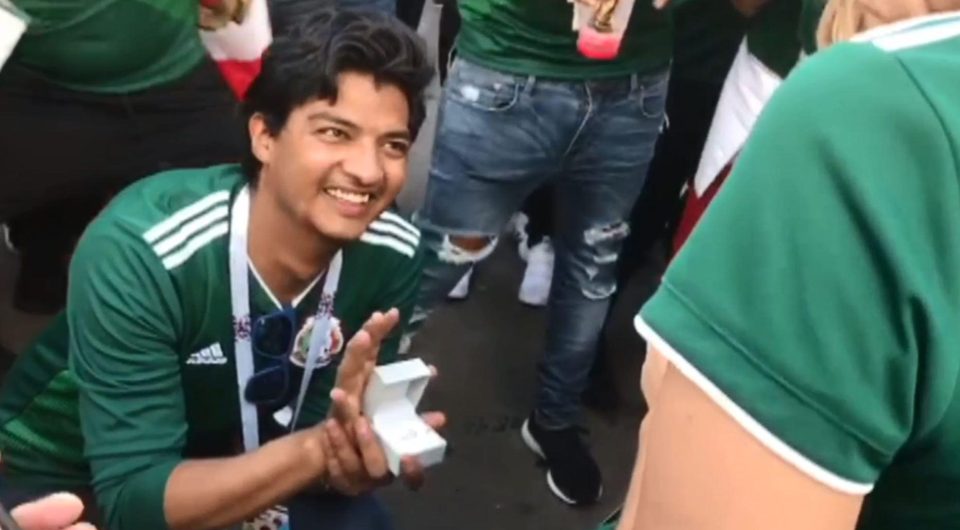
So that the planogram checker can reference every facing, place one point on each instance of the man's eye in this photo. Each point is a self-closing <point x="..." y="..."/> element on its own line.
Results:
<point x="331" y="133"/>
<point x="398" y="147"/>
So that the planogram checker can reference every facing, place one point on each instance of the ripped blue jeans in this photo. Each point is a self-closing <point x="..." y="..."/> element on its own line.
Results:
<point x="499" y="137"/>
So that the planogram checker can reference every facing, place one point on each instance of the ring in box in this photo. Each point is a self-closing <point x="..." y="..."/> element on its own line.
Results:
<point x="390" y="402"/>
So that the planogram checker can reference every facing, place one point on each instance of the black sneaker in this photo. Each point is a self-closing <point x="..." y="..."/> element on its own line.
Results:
<point x="572" y="473"/>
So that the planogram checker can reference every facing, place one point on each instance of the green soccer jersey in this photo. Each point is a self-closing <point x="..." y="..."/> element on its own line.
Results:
<point x="110" y="46"/>
<point x="707" y="34"/>
<point x="139" y="372"/>
<point x="535" y="37"/>
<point x="809" y="23"/>
<point x="782" y="31"/>
<point x="819" y="299"/>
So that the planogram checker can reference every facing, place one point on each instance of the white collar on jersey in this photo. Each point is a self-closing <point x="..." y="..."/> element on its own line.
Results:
<point x="896" y="27"/>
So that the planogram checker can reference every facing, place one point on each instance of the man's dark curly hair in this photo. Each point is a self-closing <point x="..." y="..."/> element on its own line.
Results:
<point x="304" y="62"/>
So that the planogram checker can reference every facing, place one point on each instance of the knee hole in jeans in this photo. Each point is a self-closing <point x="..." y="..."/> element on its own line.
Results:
<point x="604" y="242"/>
<point x="460" y="250"/>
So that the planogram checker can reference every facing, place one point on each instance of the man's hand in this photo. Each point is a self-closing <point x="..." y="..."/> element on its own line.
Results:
<point x="358" y="363"/>
<point x="354" y="469"/>
<point x="56" y="512"/>
<point x="355" y="461"/>
<point x="359" y="467"/>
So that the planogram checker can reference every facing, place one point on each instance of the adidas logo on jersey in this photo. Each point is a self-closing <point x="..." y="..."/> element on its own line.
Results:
<point x="210" y="355"/>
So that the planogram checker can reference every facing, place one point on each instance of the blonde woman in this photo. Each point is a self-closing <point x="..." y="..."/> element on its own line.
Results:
<point x="804" y="370"/>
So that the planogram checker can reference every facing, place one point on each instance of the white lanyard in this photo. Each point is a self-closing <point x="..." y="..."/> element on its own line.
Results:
<point x="242" y="326"/>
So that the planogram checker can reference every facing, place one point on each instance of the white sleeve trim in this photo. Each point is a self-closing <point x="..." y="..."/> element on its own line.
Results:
<point x="888" y="30"/>
<point x="752" y="426"/>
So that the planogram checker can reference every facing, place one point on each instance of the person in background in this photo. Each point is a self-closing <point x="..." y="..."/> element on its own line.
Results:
<point x="532" y="226"/>
<point x="410" y="12"/>
<point x="96" y="95"/>
<point x="188" y="384"/>
<point x="804" y="367"/>
<point x="705" y="42"/>
<point x="706" y="37"/>
<point x="780" y="34"/>
<point x="521" y="107"/>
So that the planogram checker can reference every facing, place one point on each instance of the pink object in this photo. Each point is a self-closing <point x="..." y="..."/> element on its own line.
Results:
<point x="599" y="46"/>
<point x="611" y="15"/>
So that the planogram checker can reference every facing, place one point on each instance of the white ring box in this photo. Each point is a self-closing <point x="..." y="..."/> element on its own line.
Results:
<point x="390" y="402"/>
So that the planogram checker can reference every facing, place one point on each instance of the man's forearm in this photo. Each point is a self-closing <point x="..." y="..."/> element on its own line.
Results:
<point x="217" y="493"/>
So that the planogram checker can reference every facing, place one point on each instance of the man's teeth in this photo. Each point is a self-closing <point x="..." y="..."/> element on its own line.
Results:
<point x="349" y="196"/>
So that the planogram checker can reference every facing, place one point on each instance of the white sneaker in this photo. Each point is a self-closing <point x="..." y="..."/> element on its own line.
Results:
<point x="517" y="225"/>
<point x="518" y="228"/>
<point x="5" y="230"/>
<point x="523" y="248"/>
<point x="406" y="340"/>
<point x="535" y="288"/>
<point x="462" y="289"/>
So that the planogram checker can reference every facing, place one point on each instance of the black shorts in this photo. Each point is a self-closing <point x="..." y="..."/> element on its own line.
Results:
<point x="56" y="143"/>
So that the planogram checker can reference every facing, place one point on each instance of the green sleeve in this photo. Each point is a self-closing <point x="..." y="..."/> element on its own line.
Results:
<point x="816" y="302"/>
<point x="123" y="319"/>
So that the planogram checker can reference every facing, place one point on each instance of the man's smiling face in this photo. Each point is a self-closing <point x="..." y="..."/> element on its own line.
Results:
<point x="337" y="166"/>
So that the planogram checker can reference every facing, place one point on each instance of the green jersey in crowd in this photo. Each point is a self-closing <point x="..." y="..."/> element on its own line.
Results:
<point x="139" y="372"/>
<point x="536" y="37"/>
<point x="783" y="31"/>
<point x="109" y="46"/>
<point x="707" y="34"/>
<point x="820" y="296"/>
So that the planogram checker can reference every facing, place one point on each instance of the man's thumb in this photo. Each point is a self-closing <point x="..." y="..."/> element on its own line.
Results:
<point x="50" y="513"/>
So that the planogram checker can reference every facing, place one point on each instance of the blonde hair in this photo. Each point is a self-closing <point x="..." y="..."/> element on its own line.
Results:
<point x="842" y="19"/>
<point x="838" y="22"/>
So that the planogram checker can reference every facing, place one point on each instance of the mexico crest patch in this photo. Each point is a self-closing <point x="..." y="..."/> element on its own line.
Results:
<point x="301" y="345"/>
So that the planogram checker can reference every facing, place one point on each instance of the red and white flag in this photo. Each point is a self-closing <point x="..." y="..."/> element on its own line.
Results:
<point x="238" y="48"/>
